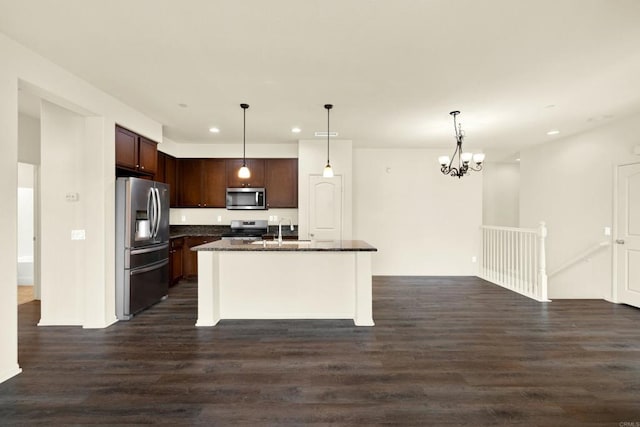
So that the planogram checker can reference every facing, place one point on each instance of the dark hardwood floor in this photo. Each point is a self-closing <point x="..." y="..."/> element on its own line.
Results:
<point x="444" y="351"/>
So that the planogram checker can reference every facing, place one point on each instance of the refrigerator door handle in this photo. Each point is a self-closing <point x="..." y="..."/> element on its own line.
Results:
<point x="158" y="211"/>
<point x="150" y="205"/>
<point x="154" y="223"/>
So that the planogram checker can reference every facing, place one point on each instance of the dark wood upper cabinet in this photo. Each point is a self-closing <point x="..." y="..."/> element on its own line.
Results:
<point x="190" y="182"/>
<point x="201" y="183"/>
<point x="281" y="183"/>
<point x="161" y="171"/>
<point x="171" y="178"/>
<point x="135" y="153"/>
<point x="256" y="166"/>
<point x="147" y="155"/>
<point x="126" y="148"/>
<point x="214" y="188"/>
<point x="166" y="172"/>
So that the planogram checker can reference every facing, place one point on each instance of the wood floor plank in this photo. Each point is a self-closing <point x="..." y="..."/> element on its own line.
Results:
<point x="444" y="351"/>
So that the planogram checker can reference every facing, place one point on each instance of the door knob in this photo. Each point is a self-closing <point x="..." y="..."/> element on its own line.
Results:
<point x="620" y="241"/>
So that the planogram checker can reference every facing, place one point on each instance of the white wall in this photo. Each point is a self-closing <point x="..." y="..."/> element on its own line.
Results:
<point x="62" y="171"/>
<point x="312" y="158"/>
<point x="8" y="221"/>
<point x="421" y="221"/>
<point x="284" y="150"/>
<point x="501" y="194"/>
<point x="19" y="66"/>
<point x="28" y="139"/>
<point x="569" y="184"/>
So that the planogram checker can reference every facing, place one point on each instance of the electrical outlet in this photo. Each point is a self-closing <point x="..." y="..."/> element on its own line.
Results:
<point x="219" y="218"/>
<point x="607" y="231"/>
<point x="183" y="218"/>
<point x="275" y="218"/>
<point x="78" y="235"/>
<point x="270" y="218"/>
<point x="474" y="259"/>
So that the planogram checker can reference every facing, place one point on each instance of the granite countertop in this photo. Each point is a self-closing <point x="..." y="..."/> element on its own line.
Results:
<point x="288" y="246"/>
<point x="178" y="231"/>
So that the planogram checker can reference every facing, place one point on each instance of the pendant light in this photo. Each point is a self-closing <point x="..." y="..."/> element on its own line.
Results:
<point x="244" y="171"/>
<point x="328" y="172"/>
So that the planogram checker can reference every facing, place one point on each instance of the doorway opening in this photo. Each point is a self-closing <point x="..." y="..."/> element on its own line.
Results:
<point x="26" y="233"/>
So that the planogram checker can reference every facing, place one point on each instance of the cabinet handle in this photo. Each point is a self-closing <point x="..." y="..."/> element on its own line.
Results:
<point x="205" y="204"/>
<point x="137" y="166"/>
<point x="141" y="167"/>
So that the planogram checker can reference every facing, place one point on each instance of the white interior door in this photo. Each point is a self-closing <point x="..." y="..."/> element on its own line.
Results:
<point x="628" y="235"/>
<point x="325" y="207"/>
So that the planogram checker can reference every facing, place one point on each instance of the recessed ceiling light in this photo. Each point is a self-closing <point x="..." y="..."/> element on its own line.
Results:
<point x="214" y="130"/>
<point x="296" y="130"/>
<point x="553" y="132"/>
<point x="324" y="133"/>
<point x="518" y="159"/>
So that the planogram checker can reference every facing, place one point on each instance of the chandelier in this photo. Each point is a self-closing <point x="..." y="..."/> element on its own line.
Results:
<point x="464" y="158"/>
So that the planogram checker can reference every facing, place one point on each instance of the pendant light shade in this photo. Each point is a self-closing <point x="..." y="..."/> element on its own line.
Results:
<point x="328" y="171"/>
<point x="244" y="171"/>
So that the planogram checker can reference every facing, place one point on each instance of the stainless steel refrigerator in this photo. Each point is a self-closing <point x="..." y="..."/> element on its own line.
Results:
<point x="142" y="245"/>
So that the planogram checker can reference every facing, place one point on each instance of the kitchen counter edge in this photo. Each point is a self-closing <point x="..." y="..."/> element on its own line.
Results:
<point x="317" y="246"/>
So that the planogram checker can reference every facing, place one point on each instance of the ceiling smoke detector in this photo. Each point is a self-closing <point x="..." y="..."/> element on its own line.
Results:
<point x="324" y="134"/>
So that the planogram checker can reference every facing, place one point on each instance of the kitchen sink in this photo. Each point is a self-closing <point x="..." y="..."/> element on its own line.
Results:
<point x="284" y="242"/>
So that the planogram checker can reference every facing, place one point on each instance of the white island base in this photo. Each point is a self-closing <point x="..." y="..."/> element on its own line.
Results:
<point x="274" y="283"/>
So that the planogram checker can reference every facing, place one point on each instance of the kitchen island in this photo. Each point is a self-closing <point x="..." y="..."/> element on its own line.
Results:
<point x="284" y="280"/>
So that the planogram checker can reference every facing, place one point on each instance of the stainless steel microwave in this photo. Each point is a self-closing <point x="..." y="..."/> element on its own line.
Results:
<point x="246" y="198"/>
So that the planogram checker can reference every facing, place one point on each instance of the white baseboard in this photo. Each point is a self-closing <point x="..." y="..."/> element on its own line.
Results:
<point x="9" y="373"/>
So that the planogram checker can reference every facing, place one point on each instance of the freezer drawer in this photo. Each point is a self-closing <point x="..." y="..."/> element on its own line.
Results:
<point x="140" y="257"/>
<point x="142" y="288"/>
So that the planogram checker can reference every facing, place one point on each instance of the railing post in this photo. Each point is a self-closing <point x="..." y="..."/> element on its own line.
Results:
<point x="542" y="264"/>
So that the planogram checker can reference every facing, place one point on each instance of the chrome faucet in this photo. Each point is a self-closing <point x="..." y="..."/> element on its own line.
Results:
<point x="280" y="228"/>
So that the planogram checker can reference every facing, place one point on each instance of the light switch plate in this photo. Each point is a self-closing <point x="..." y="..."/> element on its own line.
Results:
<point x="607" y="231"/>
<point x="72" y="197"/>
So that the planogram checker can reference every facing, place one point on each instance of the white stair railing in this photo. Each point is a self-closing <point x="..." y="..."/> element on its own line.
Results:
<point x="515" y="259"/>
<point x="580" y="257"/>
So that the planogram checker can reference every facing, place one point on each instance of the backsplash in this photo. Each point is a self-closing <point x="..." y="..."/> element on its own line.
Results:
<point x="213" y="216"/>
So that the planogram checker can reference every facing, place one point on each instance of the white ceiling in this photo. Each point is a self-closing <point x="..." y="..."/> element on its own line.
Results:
<point x="392" y="69"/>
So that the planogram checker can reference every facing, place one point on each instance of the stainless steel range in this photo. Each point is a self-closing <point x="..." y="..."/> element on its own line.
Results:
<point x="247" y="230"/>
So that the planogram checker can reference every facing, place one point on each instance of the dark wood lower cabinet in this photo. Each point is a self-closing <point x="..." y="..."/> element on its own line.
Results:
<point x="175" y="260"/>
<point x="190" y="258"/>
